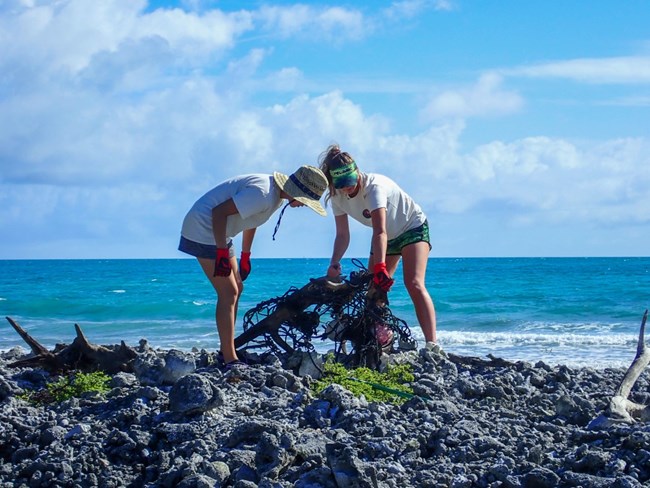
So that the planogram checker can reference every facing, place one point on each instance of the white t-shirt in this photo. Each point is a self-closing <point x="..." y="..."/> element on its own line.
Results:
<point x="256" y="197"/>
<point x="378" y="191"/>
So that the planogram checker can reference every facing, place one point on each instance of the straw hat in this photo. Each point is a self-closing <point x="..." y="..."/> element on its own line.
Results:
<point x="306" y="185"/>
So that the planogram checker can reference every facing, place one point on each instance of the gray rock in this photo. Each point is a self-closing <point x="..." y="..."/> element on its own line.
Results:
<point x="349" y="471"/>
<point x="541" y="478"/>
<point x="194" y="394"/>
<point x="311" y="365"/>
<point x="177" y="365"/>
<point x="197" y="481"/>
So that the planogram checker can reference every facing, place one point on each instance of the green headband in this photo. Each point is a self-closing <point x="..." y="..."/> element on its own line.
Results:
<point x="345" y="175"/>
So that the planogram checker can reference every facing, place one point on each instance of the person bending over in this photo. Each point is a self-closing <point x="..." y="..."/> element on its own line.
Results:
<point x="399" y="230"/>
<point x="240" y="205"/>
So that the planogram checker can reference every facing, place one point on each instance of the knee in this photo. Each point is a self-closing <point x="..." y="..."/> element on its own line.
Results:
<point x="228" y="297"/>
<point x="415" y="287"/>
<point x="226" y="302"/>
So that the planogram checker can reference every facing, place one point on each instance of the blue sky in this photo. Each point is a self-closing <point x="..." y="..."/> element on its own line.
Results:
<point x="521" y="128"/>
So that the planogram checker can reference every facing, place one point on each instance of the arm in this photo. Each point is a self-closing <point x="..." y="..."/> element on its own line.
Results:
<point x="341" y="243"/>
<point x="381" y="278"/>
<point x="247" y="239"/>
<point x="220" y="215"/>
<point x="379" y="237"/>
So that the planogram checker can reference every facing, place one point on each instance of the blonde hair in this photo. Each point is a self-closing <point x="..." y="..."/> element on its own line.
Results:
<point x="326" y="159"/>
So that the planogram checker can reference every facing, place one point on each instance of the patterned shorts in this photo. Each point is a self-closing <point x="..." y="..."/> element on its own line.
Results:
<point x="419" y="234"/>
<point x="207" y="251"/>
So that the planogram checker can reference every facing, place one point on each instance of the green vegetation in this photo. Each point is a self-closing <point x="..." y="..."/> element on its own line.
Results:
<point x="66" y="387"/>
<point x="389" y="386"/>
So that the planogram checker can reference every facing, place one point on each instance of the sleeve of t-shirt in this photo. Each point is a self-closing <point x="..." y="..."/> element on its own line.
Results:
<point x="376" y="197"/>
<point x="250" y="201"/>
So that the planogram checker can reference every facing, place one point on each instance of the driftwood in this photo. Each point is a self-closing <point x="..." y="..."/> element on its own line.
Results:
<point x="621" y="409"/>
<point x="81" y="355"/>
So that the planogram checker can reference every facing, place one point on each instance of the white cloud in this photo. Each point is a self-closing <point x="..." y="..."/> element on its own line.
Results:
<point x="409" y="9"/>
<point x="445" y="5"/>
<point x="631" y="101"/>
<point x="286" y="79"/>
<point x="553" y="180"/>
<point x="190" y="32"/>
<point x="485" y="99"/>
<point x="313" y="23"/>
<point x="625" y="70"/>
<point x="67" y="35"/>
<point x="248" y="65"/>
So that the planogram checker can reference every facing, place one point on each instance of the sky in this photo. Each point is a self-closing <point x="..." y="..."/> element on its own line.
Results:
<point x="520" y="128"/>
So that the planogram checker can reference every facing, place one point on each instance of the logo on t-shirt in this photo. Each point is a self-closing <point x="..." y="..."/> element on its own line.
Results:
<point x="366" y="213"/>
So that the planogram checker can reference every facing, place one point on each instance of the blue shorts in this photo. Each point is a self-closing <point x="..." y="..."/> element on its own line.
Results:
<point x="207" y="251"/>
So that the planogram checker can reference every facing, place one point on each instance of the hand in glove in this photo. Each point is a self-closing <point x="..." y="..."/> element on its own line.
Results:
<point x="381" y="278"/>
<point x="222" y="264"/>
<point x="245" y="265"/>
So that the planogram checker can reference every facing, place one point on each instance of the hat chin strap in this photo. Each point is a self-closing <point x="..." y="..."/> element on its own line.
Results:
<point x="277" y="226"/>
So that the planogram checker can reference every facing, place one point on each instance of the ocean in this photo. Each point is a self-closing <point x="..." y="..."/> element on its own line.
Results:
<point x="573" y="311"/>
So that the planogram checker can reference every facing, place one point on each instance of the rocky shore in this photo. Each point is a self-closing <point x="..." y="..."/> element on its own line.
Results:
<point x="180" y="420"/>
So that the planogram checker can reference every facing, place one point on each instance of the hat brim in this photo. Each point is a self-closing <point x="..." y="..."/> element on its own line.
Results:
<point x="291" y="189"/>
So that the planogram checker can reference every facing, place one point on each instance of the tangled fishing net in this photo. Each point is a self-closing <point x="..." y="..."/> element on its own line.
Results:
<point x="352" y="314"/>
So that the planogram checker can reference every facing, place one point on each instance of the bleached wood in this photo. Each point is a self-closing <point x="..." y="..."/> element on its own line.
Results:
<point x="621" y="409"/>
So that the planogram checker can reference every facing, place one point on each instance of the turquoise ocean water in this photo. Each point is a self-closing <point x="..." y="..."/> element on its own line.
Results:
<point x="575" y="311"/>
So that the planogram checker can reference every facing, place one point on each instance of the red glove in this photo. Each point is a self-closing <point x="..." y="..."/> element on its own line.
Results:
<point x="245" y="265"/>
<point x="222" y="264"/>
<point x="381" y="278"/>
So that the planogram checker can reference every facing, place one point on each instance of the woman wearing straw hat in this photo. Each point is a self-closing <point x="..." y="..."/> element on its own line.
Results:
<point x="399" y="230"/>
<point x="235" y="206"/>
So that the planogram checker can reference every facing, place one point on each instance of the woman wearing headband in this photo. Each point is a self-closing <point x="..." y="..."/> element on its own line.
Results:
<point x="240" y="205"/>
<point x="399" y="230"/>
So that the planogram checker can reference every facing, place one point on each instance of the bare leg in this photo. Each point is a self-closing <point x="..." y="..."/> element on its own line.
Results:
<point x="415" y="258"/>
<point x="229" y="289"/>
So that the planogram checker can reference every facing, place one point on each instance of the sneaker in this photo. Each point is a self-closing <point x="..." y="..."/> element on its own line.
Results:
<point x="236" y="364"/>
<point x="433" y="347"/>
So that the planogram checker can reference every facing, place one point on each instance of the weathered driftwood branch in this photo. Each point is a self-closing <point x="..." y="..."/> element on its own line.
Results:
<point x="289" y="309"/>
<point x="621" y="409"/>
<point x="80" y="355"/>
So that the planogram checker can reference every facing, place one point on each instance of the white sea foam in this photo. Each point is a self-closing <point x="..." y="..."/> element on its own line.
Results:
<point x="547" y="340"/>
<point x="577" y="327"/>
<point x="118" y="291"/>
<point x="594" y="350"/>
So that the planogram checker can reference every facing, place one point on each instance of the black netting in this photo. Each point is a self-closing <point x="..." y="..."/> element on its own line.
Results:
<point x="352" y="314"/>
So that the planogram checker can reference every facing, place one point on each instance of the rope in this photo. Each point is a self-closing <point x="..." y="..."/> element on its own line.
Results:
<point x="399" y="393"/>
